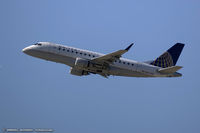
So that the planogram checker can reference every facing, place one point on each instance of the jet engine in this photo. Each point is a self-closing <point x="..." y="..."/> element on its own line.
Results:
<point x="78" y="72"/>
<point x="81" y="63"/>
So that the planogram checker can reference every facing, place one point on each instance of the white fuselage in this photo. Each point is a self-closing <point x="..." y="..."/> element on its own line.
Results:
<point x="68" y="55"/>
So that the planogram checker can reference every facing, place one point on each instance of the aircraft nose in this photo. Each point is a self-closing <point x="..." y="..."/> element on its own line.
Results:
<point x="25" y="50"/>
<point x="28" y="50"/>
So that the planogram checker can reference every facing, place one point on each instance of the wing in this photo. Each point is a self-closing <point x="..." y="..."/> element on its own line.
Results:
<point x="110" y="58"/>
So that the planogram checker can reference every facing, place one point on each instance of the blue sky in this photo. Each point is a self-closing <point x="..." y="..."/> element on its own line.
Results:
<point x="41" y="94"/>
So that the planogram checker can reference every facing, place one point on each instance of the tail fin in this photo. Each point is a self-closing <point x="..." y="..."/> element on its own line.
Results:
<point x="170" y="57"/>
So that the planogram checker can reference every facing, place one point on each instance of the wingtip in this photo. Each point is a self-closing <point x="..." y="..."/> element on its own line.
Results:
<point x="129" y="46"/>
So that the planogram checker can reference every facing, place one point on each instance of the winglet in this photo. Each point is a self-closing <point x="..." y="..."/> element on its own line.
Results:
<point x="129" y="47"/>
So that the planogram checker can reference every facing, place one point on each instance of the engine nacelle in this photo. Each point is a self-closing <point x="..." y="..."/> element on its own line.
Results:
<point x="81" y="63"/>
<point x="78" y="72"/>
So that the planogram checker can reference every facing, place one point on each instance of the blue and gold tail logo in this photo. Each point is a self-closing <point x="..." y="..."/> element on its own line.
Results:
<point x="170" y="57"/>
<point x="165" y="60"/>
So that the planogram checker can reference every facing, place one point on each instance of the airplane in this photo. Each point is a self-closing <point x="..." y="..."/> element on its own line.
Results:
<point x="85" y="62"/>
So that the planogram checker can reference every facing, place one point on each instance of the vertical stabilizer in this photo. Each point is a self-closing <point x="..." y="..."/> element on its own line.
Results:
<point x="170" y="57"/>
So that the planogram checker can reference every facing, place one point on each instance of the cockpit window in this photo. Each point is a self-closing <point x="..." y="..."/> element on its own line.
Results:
<point x="39" y="44"/>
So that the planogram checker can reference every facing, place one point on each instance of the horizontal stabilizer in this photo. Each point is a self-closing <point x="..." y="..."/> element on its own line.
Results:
<point x="171" y="69"/>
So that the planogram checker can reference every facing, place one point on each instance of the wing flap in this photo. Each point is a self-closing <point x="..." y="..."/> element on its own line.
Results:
<point x="172" y="69"/>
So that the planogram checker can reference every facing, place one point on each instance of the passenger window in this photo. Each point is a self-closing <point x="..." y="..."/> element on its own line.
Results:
<point x="59" y="48"/>
<point x="128" y="63"/>
<point x="85" y="54"/>
<point x="63" y="49"/>
<point x="93" y="56"/>
<point x="81" y="53"/>
<point x="89" y="55"/>
<point x="119" y="61"/>
<point x="76" y="52"/>
<point x="123" y="62"/>
<point x="132" y="64"/>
